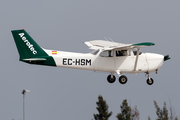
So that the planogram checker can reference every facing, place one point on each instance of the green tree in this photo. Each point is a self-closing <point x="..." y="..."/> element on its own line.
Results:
<point x="125" y="111"/>
<point x="172" y="112"/>
<point x="102" y="108"/>
<point x="128" y="113"/>
<point x="135" y="113"/>
<point x="163" y="114"/>
<point x="149" y="118"/>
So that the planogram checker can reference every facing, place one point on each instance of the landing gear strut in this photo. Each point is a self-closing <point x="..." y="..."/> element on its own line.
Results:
<point x="149" y="81"/>
<point x="111" y="78"/>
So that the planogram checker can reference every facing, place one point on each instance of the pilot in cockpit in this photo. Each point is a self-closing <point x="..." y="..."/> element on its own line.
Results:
<point x="121" y="53"/>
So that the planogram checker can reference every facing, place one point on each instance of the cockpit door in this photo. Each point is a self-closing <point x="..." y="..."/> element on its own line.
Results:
<point x="124" y="60"/>
<point x="105" y="61"/>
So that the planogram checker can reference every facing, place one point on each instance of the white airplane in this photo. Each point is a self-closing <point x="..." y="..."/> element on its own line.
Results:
<point x="107" y="56"/>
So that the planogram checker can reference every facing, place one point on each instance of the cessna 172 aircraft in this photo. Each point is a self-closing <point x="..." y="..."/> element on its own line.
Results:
<point x="108" y="56"/>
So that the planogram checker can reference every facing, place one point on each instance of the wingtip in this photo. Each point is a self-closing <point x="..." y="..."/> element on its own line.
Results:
<point x="145" y="44"/>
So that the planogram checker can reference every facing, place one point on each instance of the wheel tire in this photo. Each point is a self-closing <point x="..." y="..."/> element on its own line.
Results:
<point x="123" y="79"/>
<point x="150" y="82"/>
<point x="111" y="80"/>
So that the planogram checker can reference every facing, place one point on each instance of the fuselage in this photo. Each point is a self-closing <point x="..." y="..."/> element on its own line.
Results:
<point x="108" y="56"/>
<point x="147" y="62"/>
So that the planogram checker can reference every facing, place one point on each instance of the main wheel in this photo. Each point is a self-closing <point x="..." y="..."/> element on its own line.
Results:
<point x="150" y="81"/>
<point x="111" y="80"/>
<point x="123" y="79"/>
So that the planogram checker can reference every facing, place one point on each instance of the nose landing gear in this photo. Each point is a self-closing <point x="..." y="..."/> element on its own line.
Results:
<point x="149" y="81"/>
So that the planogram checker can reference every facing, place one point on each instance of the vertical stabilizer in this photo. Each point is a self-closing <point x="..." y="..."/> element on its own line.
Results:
<point x="29" y="50"/>
<point x="26" y="46"/>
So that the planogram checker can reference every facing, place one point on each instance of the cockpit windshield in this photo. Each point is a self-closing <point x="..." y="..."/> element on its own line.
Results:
<point x="95" y="52"/>
<point x="135" y="51"/>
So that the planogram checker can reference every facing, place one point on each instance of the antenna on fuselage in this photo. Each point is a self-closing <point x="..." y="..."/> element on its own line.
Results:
<point x="112" y="40"/>
<point x="107" y="40"/>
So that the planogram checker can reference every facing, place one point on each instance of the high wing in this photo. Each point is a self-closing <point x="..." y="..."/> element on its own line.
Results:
<point x="108" y="45"/>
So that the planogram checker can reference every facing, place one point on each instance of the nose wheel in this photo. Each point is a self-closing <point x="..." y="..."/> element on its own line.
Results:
<point x="149" y="81"/>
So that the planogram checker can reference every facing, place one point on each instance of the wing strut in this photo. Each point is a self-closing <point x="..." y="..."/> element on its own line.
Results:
<point x="137" y="56"/>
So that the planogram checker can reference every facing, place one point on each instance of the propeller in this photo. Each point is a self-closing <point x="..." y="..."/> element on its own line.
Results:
<point x="166" y="57"/>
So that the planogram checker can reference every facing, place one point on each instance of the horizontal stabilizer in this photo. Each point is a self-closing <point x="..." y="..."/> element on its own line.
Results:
<point x="35" y="59"/>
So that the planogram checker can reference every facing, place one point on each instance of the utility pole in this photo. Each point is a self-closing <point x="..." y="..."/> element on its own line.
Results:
<point x="23" y="92"/>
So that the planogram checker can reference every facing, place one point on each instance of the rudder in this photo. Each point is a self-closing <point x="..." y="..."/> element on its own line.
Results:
<point x="26" y="46"/>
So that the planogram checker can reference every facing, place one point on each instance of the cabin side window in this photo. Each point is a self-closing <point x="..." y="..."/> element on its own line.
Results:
<point x="135" y="51"/>
<point x="108" y="53"/>
<point x="123" y="53"/>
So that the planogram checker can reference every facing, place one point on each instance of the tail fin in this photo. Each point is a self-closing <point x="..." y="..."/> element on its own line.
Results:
<point x="26" y="46"/>
<point x="29" y="50"/>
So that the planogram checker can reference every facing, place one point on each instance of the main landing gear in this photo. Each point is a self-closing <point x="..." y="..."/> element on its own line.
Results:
<point x="111" y="78"/>
<point x="149" y="81"/>
<point x="122" y="79"/>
